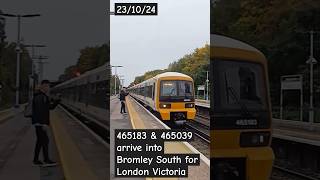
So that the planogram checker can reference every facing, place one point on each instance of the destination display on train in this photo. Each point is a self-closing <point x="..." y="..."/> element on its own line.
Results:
<point x="147" y="153"/>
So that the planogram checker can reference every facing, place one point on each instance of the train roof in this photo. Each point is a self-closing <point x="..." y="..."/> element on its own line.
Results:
<point x="166" y="74"/>
<point x="227" y="42"/>
<point x="87" y="73"/>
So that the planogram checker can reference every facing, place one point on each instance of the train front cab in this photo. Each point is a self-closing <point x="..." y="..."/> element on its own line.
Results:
<point x="240" y="124"/>
<point x="178" y="106"/>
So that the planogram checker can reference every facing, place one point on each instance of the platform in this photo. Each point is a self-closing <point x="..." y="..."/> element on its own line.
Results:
<point x="203" y="103"/>
<point x="82" y="155"/>
<point x="7" y="114"/>
<point x="117" y="121"/>
<point x="297" y="131"/>
<point x="17" y="138"/>
<point x="139" y="118"/>
<point x="78" y="152"/>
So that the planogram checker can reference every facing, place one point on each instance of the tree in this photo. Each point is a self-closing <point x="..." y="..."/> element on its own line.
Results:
<point x="8" y="74"/>
<point x="274" y="27"/>
<point x="194" y="64"/>
<point x="90" y="58"/>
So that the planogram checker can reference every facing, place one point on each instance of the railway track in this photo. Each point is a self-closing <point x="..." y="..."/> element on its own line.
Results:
<point x="198" y="132"/>
<point x="200" y="128"/>
<point x="201" y="139"/>
<point x="279" y="172"/>
<point x="100" y="131"/>
<point x="289" y="174"/>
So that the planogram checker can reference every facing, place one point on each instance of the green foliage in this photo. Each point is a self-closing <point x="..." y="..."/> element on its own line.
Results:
<point x="147" y="75"/>
<point x="274" y="27"/>
<point x="90" y="58"/>
<point x="195" y="65"/>
<point x="8" y="64"/>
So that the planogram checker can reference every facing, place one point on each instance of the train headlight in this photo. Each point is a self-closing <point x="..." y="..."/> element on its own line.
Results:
<point x="165" y="106"/>
<point x="189" y="105"/>
<point x="254" y="139"/>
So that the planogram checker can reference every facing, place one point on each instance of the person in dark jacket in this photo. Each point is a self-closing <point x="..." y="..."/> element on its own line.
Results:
<point x="41" y="106"/>
<point x="122" y="98"/>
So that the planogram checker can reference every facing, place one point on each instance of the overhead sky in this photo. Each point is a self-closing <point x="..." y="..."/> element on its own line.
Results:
<point x="147" y="43"/>
<point x="65" y="27"/>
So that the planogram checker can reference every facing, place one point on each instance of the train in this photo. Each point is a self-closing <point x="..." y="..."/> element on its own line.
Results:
<point x="170" y="95"/>
<point x="87" y="94"/>
<point x="240" y="114"/>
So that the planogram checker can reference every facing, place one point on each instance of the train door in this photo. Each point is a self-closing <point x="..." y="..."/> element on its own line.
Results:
<point x="144" y="92"/>
<point x="153" y="94"/>
<point x="87" y="92"/>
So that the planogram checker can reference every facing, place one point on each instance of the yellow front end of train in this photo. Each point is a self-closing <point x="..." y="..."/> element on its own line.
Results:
<point x="173" y="105"/>
<point x="240" y="120"/>
<point x="170" y="95"/>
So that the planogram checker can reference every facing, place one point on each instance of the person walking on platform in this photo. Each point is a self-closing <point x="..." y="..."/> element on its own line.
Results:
<point x="122" y="98"/>
<point x="41" y="106"/>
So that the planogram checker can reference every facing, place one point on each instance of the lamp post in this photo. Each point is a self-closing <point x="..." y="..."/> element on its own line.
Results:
<point x="207" y="83"/>
<point x="41" y="63"/>
<point x="18" y="49"/>
<point x="31" y="80"/>
<point x="121" y="84"/>
<point x="311" y="61"/>
<point x="115" y="78"/>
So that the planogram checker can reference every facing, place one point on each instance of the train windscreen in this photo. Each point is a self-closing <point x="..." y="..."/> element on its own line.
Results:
<point x="176" y="91"/>
<point x="240" y="91"/>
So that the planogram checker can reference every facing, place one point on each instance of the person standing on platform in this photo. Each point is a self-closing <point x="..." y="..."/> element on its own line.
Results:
<point x="41" y="106"/>
<point x="122" y="98"/>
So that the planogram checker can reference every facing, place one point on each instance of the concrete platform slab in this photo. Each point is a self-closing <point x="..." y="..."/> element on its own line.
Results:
<point x="118" y="121"/>
<point x="16" y="152"/>
<point x="141" y="119"/>
<point x="83" y="157"/>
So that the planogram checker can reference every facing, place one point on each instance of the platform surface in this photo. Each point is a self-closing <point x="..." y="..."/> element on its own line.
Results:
<point x="82" y="155"/>
<point x="117" y="121"/>
<point x="138" y="118"/>
<point x="202" y="103"/>
<point x="17" y="137"/>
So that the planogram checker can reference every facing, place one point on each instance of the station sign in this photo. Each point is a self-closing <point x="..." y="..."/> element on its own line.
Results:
<point x="291" y="82"/>
<point x="201" y="88"/>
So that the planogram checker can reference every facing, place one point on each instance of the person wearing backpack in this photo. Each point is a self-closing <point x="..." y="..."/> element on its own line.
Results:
<point x="41" y="106"/>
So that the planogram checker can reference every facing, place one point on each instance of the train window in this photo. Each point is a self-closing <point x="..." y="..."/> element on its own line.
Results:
<point x="176" y="91"/>
<point x="146" y="91"/>
<point x="149" y="94"/>
<point x="153" y="87"/>
<point x="242" y="84"/>
<point x="93" y="88"/>
<point x="185" y="88"/>
<point x="169" y="88"/>
<point x="143" y="91"/>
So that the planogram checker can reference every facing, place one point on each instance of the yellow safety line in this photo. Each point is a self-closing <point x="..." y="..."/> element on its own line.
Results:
<point x="73" y="163"/>
<point x="137" y="123"/>
<point x="135" y="120"/>
<point x="4" y="118"/>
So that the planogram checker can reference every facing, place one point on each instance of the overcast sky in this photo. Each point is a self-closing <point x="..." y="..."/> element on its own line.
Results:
<point x="66" y="26"/>
<point x="146" y="43"/>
